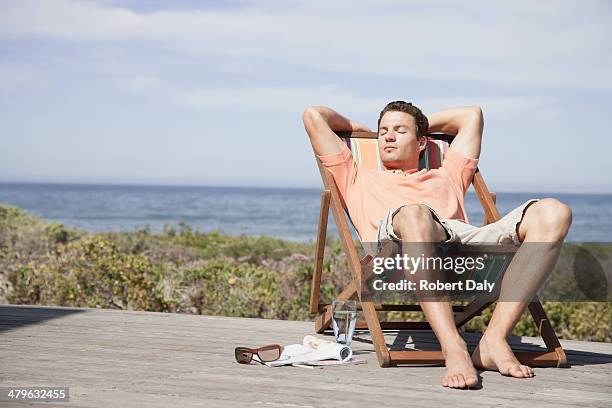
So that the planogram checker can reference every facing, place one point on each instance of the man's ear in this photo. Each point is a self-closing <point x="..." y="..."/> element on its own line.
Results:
<point x="422" y="143"/>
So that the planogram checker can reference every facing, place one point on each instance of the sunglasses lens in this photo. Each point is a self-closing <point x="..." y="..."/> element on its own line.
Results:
<point x="243" y="356"/>
<point x="269" y="353"/>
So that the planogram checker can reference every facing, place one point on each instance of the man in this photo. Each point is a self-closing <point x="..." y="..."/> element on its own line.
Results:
<point x="403" y="204"/>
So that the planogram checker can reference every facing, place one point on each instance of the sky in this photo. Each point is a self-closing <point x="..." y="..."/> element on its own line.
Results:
<point x="212" y="93"/>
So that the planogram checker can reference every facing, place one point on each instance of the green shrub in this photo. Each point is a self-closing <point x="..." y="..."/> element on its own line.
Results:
<point x="225" y="287"/>
<point x="182" y="270"/>
<point x="88" y="273"/>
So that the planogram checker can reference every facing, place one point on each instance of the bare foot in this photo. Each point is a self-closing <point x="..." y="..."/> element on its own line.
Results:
<point x="495" y="354"/>
<point x="460" y="372"/>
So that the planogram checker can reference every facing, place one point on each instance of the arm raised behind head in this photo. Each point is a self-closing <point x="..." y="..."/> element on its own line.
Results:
<point x="321" y="123"/>
<point x="466" y="123"/>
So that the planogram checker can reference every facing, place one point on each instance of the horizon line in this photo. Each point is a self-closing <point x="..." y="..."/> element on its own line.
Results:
<point x="279" y="187"/>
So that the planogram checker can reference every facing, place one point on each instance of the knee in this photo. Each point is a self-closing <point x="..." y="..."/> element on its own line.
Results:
<point x="414" y="217"/>
<point x="553" y="218"/>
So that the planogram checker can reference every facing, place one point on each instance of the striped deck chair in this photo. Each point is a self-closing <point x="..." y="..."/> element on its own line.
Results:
<point x="364" y="148"/>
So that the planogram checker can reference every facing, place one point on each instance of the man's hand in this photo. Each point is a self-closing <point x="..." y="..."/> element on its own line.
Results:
<point x="466" y="122"/>
<point x="321" y="123"/>
<point x="359" y="127"/>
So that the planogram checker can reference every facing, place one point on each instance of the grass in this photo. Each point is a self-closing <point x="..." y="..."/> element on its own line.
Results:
<point x="186" y="271"/>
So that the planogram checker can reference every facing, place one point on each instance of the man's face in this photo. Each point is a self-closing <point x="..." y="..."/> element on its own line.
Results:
<point x="397" y="141"/>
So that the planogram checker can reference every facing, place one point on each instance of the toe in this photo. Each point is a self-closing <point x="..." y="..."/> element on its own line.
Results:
<point x="455" y="382"/>
<point x="471" y="380"/>
<point x="461" y="380"/>
<point x="525" y="371"/>
<point x="515" y="371"/>
<point x="458" y="380"/>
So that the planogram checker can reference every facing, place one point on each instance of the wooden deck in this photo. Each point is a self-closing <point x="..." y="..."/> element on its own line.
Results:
<point x="136" y="359"/>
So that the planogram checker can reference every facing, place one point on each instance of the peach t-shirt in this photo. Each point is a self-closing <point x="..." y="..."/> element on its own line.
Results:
<point x="370" y="194"/>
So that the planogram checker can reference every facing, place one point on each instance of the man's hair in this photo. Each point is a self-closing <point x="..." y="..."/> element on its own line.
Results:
<point x="420" y="119"/>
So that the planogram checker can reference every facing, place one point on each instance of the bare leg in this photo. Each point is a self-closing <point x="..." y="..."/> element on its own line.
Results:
<point x="418" y="230"/>
<point x="545" y="225"/>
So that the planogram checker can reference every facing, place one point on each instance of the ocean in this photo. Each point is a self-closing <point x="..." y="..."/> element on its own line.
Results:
<point x="289" y="213"/>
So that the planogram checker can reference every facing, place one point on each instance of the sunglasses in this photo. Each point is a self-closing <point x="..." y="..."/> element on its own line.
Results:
<point x="244" y="355"/>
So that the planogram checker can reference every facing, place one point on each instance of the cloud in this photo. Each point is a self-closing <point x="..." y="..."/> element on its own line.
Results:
<point x="293" y="99"/>
<point x="18" y="74"/>
<point x="559" y="44"/>
<point x="285" y="99"/>
<point x="150" y="86"/>
<point x="495" y="106"/>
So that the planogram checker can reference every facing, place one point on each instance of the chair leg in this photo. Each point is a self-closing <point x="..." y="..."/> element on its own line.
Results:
<point x="323" y="319"/>
<point x="547" y="332"/>
<point x="319" y="252"/>
<point x="378" y="339"/>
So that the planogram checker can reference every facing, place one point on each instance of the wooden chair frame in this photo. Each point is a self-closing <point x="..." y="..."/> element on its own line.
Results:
<point x="330" y="199"/>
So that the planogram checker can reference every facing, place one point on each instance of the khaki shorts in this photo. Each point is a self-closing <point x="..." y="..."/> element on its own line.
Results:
<point x="504" y="231"/>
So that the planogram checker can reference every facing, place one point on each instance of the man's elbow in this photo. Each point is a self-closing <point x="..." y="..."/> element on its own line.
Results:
<point x="311" y="116"/>
<point x="308" y="113"/>
<point x="475" y="116"/>
<point x="308" y="116"/>
<point x="478" y="113"/>
<point x="313" y="111"/>
<point x="475" y="111"/>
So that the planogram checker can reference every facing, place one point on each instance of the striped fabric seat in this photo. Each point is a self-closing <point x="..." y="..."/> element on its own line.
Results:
<point x="366" y="153"/>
